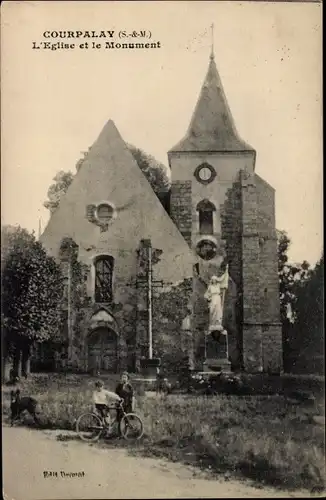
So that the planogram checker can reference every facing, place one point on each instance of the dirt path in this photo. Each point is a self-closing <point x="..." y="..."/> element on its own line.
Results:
<point x="105" y="473"/>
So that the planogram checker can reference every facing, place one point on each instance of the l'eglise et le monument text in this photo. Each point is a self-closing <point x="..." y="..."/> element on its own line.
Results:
<point x="53" y="40"/>
<point x="197" y="277"/>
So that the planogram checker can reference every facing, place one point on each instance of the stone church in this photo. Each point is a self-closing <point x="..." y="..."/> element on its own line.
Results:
<point x="146" y="267"/>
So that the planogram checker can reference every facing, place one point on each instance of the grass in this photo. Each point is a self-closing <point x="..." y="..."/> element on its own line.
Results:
<point x="267" y="438"/>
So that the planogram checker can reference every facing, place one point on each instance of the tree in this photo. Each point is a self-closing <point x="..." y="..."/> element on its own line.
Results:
<point x="32" y="289"/>
<point x="62" y="181"/>
<point x="289" y="277"/>
<point x="155" y="172"/>
<point x="307" y="341"/>
<point x="301" y="298"/>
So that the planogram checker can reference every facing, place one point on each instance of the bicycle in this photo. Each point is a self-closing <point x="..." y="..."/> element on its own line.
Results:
<point x="90" y="426"/>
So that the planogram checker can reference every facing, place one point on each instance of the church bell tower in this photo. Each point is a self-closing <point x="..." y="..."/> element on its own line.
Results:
<point x="215" y="205"/>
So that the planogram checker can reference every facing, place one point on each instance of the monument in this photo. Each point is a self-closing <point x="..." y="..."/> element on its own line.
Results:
<point x="216" y="339"/>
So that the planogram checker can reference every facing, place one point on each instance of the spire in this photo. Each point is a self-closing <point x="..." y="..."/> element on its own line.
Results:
<point x="212" y="127"/>
<point x="212" y="56"/>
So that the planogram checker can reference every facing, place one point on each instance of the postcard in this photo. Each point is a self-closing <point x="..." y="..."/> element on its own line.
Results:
<point x="162" y="250"/>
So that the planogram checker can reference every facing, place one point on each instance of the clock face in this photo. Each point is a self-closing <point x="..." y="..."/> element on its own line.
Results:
<point x="205" y="173"/>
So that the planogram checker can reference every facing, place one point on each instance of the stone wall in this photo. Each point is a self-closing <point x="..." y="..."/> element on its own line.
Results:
<point x="262" y="337"/>
<point x="248" y="227"/>
<point x="141" y="339"/>
<point x="251" y="285"/>
<point x="181" y="207"/>
<point x="171" y="306"/>
<point x="272" y="348"/>
<point x="268" y="266"/>
<point x="82" y="309"/>
<point x="231" y="225"/>
<point x="230" y="322"/>
<point x="200" y="320"/>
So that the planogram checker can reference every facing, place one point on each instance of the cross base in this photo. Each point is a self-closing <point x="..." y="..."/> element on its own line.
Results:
<point x="148" y="383"/>
<point x="148" y="374"/>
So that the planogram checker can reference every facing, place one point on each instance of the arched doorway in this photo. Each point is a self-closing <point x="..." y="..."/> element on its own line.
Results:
<point x="102" y="350"/>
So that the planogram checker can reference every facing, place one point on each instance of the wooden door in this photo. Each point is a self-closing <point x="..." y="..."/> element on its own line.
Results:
<point x="102" y="350"/>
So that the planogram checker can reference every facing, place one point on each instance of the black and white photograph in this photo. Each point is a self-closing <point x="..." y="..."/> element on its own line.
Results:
<point x="162" y="265"/>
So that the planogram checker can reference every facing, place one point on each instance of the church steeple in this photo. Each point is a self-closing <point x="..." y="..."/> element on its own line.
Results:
<point x="212" y="127"/>
<point x="212" y="49"/>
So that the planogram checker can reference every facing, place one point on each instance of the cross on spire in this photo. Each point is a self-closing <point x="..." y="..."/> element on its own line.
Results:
<point x="212" y="41"/>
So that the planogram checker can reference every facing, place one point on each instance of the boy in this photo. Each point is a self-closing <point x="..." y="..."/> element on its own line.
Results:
<point x="126" y="392"/>
<point x="102" y="399"/>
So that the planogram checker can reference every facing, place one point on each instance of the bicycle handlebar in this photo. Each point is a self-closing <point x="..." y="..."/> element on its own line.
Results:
<point x="118" y="404"/>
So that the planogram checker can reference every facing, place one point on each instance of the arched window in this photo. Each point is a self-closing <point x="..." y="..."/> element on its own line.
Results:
<point x="103" y="278"/>
<point x="205" y="209"/>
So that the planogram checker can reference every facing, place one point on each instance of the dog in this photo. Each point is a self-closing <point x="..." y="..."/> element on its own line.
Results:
<point x="20" y="404"/>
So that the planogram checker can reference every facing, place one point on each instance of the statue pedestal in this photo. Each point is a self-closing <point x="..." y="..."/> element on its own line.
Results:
<point x="216" y="351"/>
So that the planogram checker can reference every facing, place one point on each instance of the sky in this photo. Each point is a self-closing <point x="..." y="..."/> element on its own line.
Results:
<point x="55" y="103"/>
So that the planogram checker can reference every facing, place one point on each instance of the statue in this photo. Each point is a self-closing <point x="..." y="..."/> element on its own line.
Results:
<point x="215" y="294"/>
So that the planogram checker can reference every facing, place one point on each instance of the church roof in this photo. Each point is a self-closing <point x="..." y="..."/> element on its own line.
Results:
<point x="110" y="174"/>
<point x="212" y="127"/>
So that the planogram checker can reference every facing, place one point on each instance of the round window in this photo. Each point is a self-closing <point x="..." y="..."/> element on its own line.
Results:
<point x="206" y="249"/>
<point x="205" y="173"/>
<point x="104" y="213"/>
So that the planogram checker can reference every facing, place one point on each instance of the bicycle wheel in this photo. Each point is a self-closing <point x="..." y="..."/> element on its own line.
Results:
<point x="131" y="426"/>
<point x="89" y="427"/>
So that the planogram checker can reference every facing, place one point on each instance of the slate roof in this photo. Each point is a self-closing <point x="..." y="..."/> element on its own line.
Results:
<point x="212" y="127"/>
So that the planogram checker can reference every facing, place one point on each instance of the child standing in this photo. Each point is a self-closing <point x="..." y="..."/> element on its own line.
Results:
<point x="126" y="392"/>
<point x="102" y="399"/>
